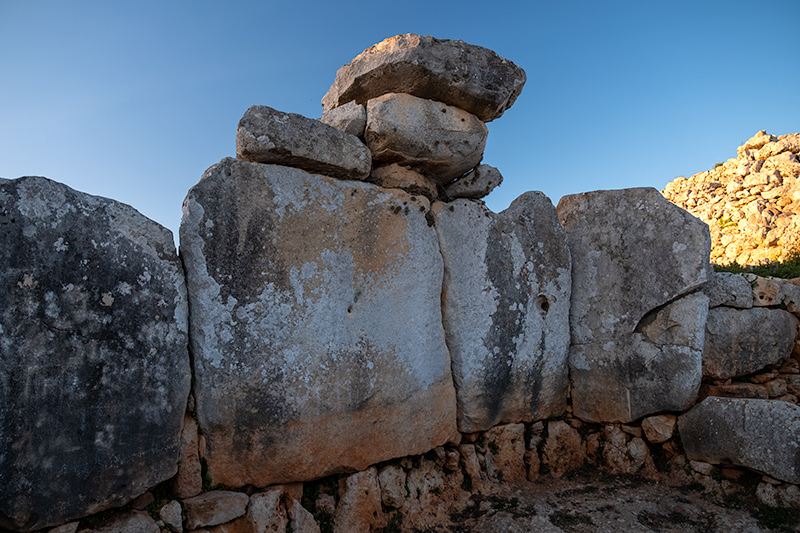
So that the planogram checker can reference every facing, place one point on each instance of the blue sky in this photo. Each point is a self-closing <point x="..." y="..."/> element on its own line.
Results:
<point x="134" y="100"/>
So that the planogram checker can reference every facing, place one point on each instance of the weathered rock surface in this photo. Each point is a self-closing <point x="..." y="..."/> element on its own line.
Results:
<point x="506" y="452"/>
<point x="359" y="506"/>
<point x="316" y="324"/>
<point x="632" y="251"/>
<point x="266" y="135"/>
<point x="395" y="176"/>
<point x="729" y="290"/>
<point x="453" y="72"/>
<point x="350" y="118"/>
<point x="214" y="508"/>
<point x="563" y="449"/>
<point x="134" y="522"/>
<point x="506" y="309"/>
<point x="750" y="202"/>
<point x="302" y="521"/>
<point x="94" y="366"/>
<point x="760" y="434"/>
<point x="266" y="513"/>
<point x="392" y="480"/>
<point x="435" y="138"/>
<point x="189" y="481"/>
<point x="171" y="515"/>
<point x="477" y="184"/>
<point x="659" y="428"/>
<point x="743" y="341"/>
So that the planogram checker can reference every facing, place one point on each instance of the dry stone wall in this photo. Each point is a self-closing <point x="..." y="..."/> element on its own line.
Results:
<point x="371" y="348"/>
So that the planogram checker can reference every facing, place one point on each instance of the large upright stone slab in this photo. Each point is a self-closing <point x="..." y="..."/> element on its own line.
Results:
<point x="454" y="72"/>
<point x="760" y="434"/>
<point x="94" y="364"/>
<point x="635" y="257"/>
<point x="506" y="310"/>
<point x="316" y="324"/>
<point x="266" y="135"/>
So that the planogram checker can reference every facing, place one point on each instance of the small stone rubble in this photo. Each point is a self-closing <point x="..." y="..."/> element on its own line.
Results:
<point x="750" y="202"/>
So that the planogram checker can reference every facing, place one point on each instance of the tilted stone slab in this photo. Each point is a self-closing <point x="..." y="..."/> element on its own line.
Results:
<point x="350" y="118"/>
<point x="316" y="324"/>
<point x="477" y="184"/>
<point x="266" y="135"/>
<point x="657" y="368"/>
<point x="440" y="140"/>
<point x="632" y="251"/>
<point x="454" y="72"/>
<point x="94" y="362"/>
<point x="743" y="341"/>
<point x="506" y="310"/>
<point x="729" y="290"/>
<point x="763" y="435"/>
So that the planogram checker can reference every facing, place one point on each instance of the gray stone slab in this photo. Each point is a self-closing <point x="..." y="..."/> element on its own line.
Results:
<point x="729" y="290"/>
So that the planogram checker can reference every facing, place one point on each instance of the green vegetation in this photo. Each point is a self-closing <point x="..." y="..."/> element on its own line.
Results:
<point x="786" y="269"/>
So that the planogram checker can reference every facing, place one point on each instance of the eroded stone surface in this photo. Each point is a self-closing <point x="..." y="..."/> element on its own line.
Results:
<point x="760" y="434"/>
<point x="506" y="309"/>
<point x="350" y="118"/>
<point x="214" y="508"/>
<point x="359" y="506"/>
<point x="189" y="481"/>
<point x="316" y="324"/>
<point x="453" y="72"/>
<point x="440" y="140"/>
<point x="94" y="366"/>
<point x="477" y="184"/>
<point x="395" y="176"/>
<point x="729" y="290"/>
<point x="266" y="135"/>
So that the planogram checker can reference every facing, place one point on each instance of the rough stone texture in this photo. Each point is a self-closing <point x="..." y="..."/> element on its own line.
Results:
<point x="189" y="481"/>
<point x="302" y="520"/>
<point x="170" y="514"/>
<point x="316" y="324"/>
<point x="659" y="428"/>
<point x="632" y="252"/>
<point x="477" y="184"/>
<point x="743" y="341"/>
<point x="395" y="176"/>
<point x="392" y="480"/>
<point x="563" y="449"/>
<point x="658" y="368"/>
<point x="94" y="367"/>
<point x="359" y="506"/>
<point x="750" y="202"/>
<point x="623" y="456"/>
<point x="214" y="508"/>
<point x="71" y="527"/>
<point x="735" y="390"/>
<point x="729" y="290"/>
<point x="266" y="135"/>
<point x="266" y="513"/>
<point x="763" y="435"/>
<point x="636" y="344"/>
<point x="350" y="118"/>
<point x="506" y="309"/>
<point x="506" y="445"/>
<point x="135" y="522"/>
<point x="440" y="140"/>
<point x="453" y="72"/>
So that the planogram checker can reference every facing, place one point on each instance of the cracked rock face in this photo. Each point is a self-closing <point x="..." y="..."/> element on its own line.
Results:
<point x="470" y="77"/>
<point x="506" y="309"/>
<point x="635" y="259"/>
<point x="316" y="324"/>
<point x="94" y="366"/>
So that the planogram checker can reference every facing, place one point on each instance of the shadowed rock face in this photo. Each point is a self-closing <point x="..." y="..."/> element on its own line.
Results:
<point x="472" y="78"/>
<point x="94" y="366"/>
<point x="316" y="324"/>
<point x="506" y="310"/>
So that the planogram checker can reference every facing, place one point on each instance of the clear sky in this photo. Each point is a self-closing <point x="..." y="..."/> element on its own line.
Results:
<point x="134" y="100"/>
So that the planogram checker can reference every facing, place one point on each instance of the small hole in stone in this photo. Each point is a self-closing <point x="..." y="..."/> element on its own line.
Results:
<point x="444" y="110"/>
<point x="350" y="309"/>
<point x="544" y="304"/>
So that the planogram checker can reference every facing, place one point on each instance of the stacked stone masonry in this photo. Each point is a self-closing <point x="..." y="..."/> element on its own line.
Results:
<point x="359" y="344"/>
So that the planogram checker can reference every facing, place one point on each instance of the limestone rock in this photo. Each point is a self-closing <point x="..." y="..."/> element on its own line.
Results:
<point x="506" y="309"/>
<point x="477" y="184"/>
<point x="392" y="480"/>
<point x="743" y="341"/>
<point x="359" y="506"/>
<point x="632" y="251"/>
<point x="94" y="366"/>
<point x="302" y="520"/>
<point x="316" y="324"/>
<point x="453" y="72"/>
<point x="440" y="140"/>
<point x="214" y="508"/>
<point x="171" y="515"/>
<point x="189" y="481"/>
<point x="763" y="435"/>
<point x="658" y="368"/>
<point x="729" y="290"/>
<point x="563" y="449"/>
<point x="506" y="445"/>
<point x="350" y="118"/>
<point x="266" y="135"/>
<point x="395" y="176"/>
<point x="70" y="527"/>
<point x="659" y="428"/>
<point x="266" y="513"/>
<point x="135" y="522"/>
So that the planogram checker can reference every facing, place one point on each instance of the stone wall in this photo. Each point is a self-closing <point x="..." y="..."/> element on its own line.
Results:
<point x="351" y="340"/>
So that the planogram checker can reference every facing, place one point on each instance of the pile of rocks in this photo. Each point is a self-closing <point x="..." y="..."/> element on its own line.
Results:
<point x="750" y="202"/>
<point x="411" y="114"/>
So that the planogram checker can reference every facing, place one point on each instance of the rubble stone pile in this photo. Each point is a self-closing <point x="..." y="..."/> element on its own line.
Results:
<point x="750" y="202"/>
